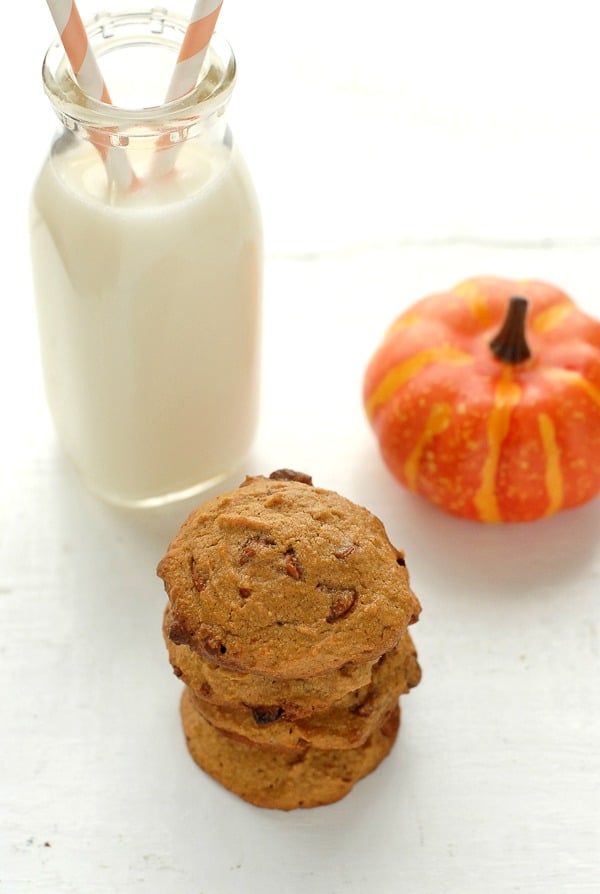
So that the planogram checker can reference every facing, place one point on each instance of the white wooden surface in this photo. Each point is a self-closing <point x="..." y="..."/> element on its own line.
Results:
<point x="393" y="156"/>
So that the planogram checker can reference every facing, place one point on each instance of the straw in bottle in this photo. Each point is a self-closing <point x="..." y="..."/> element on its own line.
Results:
<point x="185" y="74"/>
<point x="88" y="76"/>
<point x="194" y="47"/>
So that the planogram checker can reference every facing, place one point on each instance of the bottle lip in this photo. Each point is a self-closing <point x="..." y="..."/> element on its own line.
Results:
<point x="107" y="32"/>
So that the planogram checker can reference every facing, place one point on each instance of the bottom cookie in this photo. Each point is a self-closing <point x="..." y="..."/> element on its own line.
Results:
<point x="269" y="778"/>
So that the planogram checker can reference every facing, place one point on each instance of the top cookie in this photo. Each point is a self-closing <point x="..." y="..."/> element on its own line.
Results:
<point x="286" y="580"/>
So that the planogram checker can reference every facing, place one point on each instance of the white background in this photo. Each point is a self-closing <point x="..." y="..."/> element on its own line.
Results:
<point x="396" y="149"/>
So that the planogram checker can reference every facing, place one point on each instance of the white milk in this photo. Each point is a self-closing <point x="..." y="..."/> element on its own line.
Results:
<point x="148" y="309"/>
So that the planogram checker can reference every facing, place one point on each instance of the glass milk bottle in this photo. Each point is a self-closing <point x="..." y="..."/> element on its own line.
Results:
<point x="148" y="295"/>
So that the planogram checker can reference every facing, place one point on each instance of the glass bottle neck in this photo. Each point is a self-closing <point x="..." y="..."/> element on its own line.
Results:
<point x="147" y="44"/>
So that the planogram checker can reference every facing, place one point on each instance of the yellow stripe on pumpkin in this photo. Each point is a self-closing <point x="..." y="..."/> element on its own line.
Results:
<point x="476" y="300"/>
<point x="572" y="377"/>
<point x="399" y="375"/>
<point x="551" y="317"/>
<point x="506" y="397"/>
<point x="437" y="422"/>
<point x="410" y="318"/>
<point x="554" y="478"/>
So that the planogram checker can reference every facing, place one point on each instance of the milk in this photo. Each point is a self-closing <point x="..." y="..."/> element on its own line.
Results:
<point x="149" y="311"/>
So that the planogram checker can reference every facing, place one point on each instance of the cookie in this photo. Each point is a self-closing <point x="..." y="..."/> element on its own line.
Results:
<point x="272" y="779"/>
<point x="227" y="688"/>
<point x="347" y="723"/>
<point x="286" y="580"/>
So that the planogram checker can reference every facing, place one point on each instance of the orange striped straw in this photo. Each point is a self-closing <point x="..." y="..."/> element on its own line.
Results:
<point x="189" y="62"/>
<point x="194" y="47"/>
<point x="87" y="74"/>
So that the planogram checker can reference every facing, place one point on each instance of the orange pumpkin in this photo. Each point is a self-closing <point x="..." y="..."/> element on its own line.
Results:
<point x="486" y="400"/>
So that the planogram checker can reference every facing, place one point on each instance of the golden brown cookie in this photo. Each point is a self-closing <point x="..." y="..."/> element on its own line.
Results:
<point x="286" y="580"/>
<point x="227" y="688"/>
<point x="281" y="780"/>
<point x="346" y="723"/>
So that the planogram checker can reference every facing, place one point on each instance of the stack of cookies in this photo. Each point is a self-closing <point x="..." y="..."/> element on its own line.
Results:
<point x="288" y="621"/>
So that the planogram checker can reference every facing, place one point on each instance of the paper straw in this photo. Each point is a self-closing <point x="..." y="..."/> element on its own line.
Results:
<point x="185" y="74"/>
<point x="194" y="47"/>
<point x="88" y="76"/>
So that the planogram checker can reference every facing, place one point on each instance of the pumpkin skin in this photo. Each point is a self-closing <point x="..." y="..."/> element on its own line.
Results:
<point x="481" y="437"/>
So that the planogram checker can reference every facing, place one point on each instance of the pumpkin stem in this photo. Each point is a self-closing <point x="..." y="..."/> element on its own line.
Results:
<point x="510" y="344"/>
